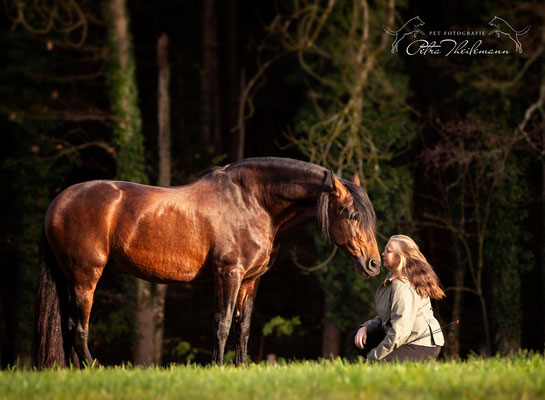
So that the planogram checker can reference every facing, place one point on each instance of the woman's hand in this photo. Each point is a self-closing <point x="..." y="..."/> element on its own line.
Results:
<point x="361" y="337"/>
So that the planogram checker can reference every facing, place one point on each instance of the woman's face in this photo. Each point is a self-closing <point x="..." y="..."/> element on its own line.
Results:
<point x="389" y="257"/>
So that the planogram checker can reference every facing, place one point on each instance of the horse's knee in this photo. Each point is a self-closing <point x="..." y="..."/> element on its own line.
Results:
<point x="222" y="334"/>
<point x="80" y="336"/>
<point x="70" y="325"/>
<point x="243" y="327"/>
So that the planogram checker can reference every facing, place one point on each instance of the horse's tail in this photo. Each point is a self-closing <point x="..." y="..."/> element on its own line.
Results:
<point x="524" y="30"/>
<point x="389" y="31"/>
<point x="51" y="304"/>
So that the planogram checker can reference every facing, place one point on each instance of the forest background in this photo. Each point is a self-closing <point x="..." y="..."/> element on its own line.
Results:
<point x="450" y="150"/>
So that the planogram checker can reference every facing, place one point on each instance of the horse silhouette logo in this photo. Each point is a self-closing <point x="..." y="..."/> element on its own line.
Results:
<point x="414" y="24"/>
<point x="504" y="28"/>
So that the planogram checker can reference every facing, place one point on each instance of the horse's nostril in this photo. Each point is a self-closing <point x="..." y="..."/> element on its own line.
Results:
<point x="373" y="263"/>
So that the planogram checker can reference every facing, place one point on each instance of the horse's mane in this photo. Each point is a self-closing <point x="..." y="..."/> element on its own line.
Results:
<point x="277" y="162"/>
<point x="362" y="203"/>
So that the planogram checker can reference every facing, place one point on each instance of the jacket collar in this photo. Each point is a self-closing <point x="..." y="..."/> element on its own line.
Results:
<point x="390" y="277"/>
<point x="388" y="280"/>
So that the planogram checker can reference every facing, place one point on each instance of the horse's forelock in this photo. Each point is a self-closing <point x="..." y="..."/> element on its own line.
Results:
<point x="366" y="214"/>
<point x="360" y="202"/>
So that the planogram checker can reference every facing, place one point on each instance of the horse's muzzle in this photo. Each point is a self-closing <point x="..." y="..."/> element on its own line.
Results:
<point x="369" y="269"/>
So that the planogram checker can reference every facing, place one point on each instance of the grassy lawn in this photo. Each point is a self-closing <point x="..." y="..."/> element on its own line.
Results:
<point x="518" y="377"/>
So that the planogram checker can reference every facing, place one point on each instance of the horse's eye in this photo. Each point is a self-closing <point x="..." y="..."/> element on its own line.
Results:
<point x="353" y="217"/>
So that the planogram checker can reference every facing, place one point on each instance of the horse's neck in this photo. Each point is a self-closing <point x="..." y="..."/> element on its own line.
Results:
<point x="289" y="194"/>
<point x="298" y="187"/>
<point x="293" y="204"/>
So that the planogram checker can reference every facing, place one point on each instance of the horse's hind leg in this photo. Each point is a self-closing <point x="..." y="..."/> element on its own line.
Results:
<point x="394" y="46"/>
<point x="81" y="301"/>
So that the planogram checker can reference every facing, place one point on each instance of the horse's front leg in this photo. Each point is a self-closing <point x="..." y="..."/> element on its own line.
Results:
<point x="518" y="45"/>
<point x="243" y="316"/>
<point x="394" y="45"/>
<point x="227" y="287"/>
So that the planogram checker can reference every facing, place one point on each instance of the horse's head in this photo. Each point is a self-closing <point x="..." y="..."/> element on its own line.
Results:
<point x="417" y="22"/>
<point x="348" y="220"/>
<point x="494" y="22"/>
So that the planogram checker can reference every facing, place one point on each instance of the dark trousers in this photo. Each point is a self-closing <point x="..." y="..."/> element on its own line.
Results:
<point x="409" y="352"/>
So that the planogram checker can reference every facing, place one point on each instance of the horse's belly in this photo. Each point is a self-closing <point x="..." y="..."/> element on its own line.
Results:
<point x="163" y="254"/>
<point x="161" y="267"/>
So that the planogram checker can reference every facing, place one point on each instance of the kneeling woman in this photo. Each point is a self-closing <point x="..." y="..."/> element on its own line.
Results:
<point x="405" y="328"/>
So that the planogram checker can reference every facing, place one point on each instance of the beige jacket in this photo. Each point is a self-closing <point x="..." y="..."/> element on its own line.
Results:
<point x="404" y="316"/>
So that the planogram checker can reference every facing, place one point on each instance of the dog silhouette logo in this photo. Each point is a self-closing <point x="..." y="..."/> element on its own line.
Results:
<point x="502" y="27"/>
<point x="411" y="27"/>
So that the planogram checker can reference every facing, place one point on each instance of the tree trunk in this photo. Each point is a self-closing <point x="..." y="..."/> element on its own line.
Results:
<point x="234" y="88"/>
<point x="210" y="86"/>
<point x="150" y="323"/>
<point x="452" y="339"/>
<point x="145" y="346"/>
<point x="331" y="344"/>
<point x="542" y="255"/>
<point x="331" y="336"/>
<point x="507" y="338"/>
<point x="165" y="166"/>
<point x="163" y="111"/>
<point x="128" y="137"/>
<point x="240" y="133"/>
<point x="3" y="334"/>
<point x="479" y="285"/>
<point x="121" y="79"/>
<point x="486" y="328"/>
<point x="452" y="345"/>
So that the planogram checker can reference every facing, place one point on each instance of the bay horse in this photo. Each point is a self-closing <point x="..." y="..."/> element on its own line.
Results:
<point x="227" y="224"/>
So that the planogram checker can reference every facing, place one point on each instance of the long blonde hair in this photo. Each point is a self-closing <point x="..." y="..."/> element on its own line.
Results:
<point x="413" y="265"/>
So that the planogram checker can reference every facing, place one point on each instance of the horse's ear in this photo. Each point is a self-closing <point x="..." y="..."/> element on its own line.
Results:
<point x="356" y="179"/>
<point x="338" y="188"/>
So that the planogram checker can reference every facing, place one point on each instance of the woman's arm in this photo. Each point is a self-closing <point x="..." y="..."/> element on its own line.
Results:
<point x="373" y="324"/>
<point x="367" y="327"/>
<point x="405" y="302"/>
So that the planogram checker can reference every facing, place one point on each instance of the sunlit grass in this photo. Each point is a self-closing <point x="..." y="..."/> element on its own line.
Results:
<point x="516" y="377"/>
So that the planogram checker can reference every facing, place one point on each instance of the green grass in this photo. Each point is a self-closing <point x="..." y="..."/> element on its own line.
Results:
<point x="517" y="377"/>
